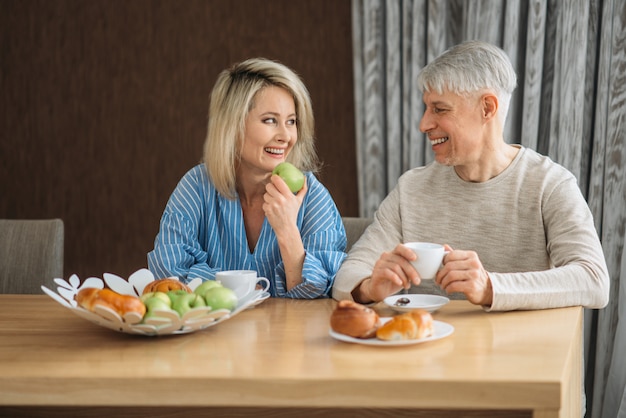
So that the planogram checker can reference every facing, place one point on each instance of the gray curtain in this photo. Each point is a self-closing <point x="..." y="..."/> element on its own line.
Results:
<point x="570" y="57"/>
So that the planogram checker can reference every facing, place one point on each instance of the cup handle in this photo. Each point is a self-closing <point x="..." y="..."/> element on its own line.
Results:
<point x="444" y="254"/>
<point x="266" y="282"/>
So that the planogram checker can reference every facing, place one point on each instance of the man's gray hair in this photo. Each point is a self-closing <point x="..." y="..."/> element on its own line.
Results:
<point x="470" y="67"/>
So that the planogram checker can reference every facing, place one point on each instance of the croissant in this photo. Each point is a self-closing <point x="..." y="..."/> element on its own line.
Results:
<point x="411" y="325"/>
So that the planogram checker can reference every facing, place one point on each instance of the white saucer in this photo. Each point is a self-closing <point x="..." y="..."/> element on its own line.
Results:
<point x="251" y="300"/>
<point x="429" y="303"/>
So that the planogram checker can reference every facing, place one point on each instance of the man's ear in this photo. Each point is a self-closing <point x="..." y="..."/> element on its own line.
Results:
<point x="489" y="103"/>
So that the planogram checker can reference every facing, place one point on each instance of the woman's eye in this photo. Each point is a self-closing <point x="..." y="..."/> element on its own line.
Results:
<point x="269" y="120"/>
<point x="292" y="122"/>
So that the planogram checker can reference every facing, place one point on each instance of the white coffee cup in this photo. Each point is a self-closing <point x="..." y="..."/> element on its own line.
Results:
<point x="429" y="258"/>
<point x="242" y="282"/>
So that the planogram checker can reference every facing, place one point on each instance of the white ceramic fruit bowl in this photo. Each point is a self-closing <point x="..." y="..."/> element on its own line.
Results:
<point x="165" y="322"/>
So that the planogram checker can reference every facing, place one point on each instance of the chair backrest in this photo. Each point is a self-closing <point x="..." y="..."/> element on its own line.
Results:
<point x="31" y="254"/>
<point x="354" y="229"/>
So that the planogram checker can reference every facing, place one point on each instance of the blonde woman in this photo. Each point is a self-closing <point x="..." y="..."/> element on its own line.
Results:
<point x="231" y="213"/>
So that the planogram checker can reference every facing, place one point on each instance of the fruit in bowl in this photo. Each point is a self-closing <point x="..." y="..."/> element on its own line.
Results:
<point x="217" y="296"/>
<point x="156" y="297"/>
<point x="221" y="297"/>
<point x="156" y="301"/>
<point x="206" y="286"/>
<point x="210" y="294"/>
<point x="183" y="301"/>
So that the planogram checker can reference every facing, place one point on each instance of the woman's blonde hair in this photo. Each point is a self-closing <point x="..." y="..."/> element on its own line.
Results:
<point x="232" y="99"/>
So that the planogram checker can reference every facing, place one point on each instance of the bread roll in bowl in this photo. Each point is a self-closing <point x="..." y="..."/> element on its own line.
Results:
<point x="412" y="325"/>
<point x="165" y="285"/>
<point x="355" y="320"/>
<point x="91" y="297"/>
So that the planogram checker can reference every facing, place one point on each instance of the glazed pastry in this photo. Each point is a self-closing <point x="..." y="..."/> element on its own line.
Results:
<point x="355" y="320"/>
<point x="91" y="297"/>
<point x="165" y="285"/>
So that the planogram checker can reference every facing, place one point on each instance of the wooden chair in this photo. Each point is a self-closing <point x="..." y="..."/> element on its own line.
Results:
<point x="354" y="229"/>
<point x="31" y="254"/>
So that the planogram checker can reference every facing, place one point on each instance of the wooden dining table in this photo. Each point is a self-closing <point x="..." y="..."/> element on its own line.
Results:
<point x="278" y="359"/>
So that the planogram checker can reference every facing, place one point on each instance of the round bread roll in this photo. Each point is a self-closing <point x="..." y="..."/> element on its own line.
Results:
<point x="165" y="285"/>
<point x="415" y="324"/>
<point x="91" y="297"/>
<point x="355" y="320"/>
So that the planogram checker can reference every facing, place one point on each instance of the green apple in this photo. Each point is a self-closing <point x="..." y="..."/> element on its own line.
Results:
<point x="175" y="294"/>
<point x="153" y="304"/>
<point x="291" y="175"/>
<point x="156" y="301"/>
<point x="158" y="295"/>
<point x="206" y="285"/>
<point x="221" y="298"/>
<point x="184" y="302"/>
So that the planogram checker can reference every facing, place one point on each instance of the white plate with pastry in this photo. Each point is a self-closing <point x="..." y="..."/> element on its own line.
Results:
<point x="440" y="330"/>
<point x="408" y="302"/>
<point x="356" y="323"/>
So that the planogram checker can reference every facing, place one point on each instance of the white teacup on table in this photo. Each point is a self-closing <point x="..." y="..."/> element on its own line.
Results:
<point x="242" y="282"/>
<point x="429" y="258"/>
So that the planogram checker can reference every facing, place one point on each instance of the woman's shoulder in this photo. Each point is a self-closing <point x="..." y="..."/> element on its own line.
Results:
<point x="196" y="181"/>
<point x="319" y="209"/>
<point x="316" y="191"/>
<point x="197" y="172"/>
<point x="313" y="183"/>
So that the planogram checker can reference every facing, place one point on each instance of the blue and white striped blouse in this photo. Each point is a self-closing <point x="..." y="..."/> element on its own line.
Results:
<point x="202" y="232"/>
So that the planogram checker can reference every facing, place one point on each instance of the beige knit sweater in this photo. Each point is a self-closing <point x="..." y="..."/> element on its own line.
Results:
<point x="530" y="226"/>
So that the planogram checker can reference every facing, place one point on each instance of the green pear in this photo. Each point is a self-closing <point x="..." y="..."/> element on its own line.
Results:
<point x="291" y="175"/>
<point x="221" y="298"/>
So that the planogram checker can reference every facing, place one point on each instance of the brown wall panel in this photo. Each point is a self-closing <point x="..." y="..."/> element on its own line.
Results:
<point x="104" y="106"/>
